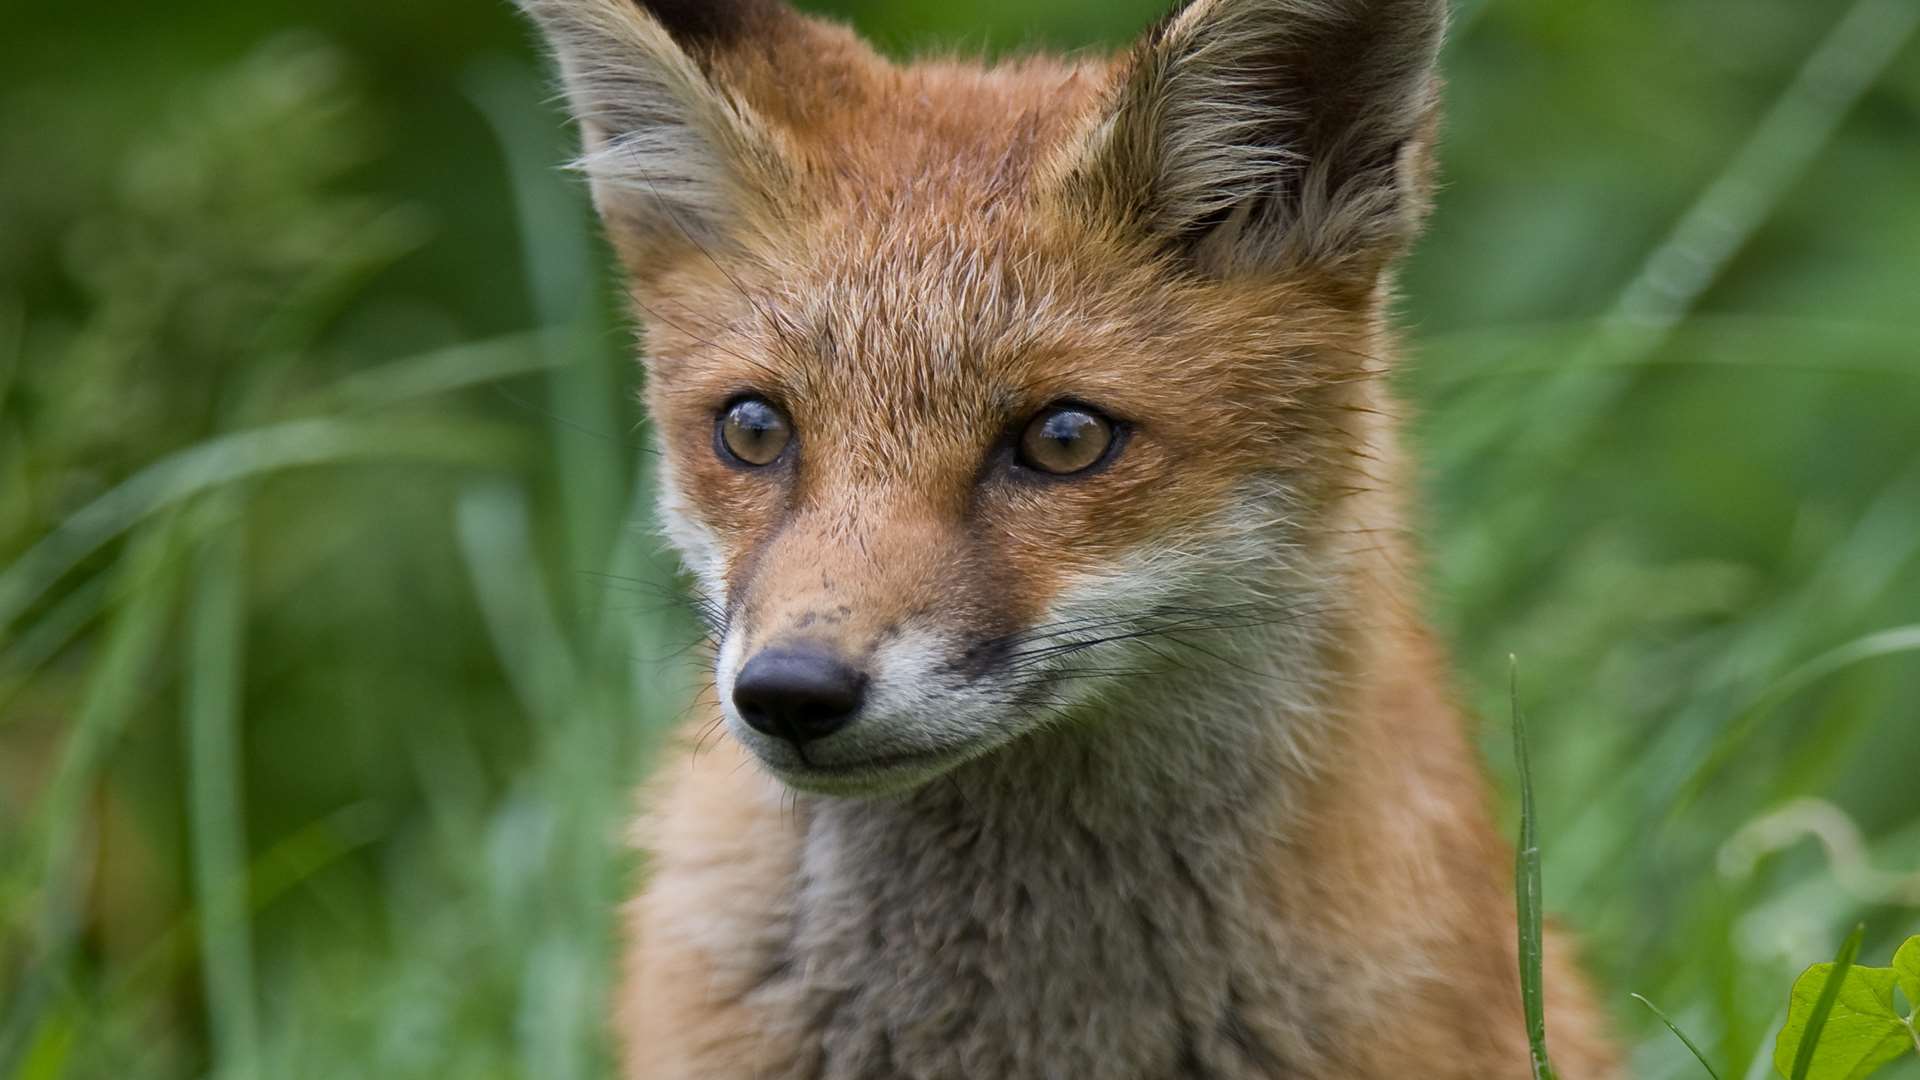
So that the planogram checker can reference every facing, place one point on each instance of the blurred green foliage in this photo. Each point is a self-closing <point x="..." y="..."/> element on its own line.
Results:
<point x="332" y="637"/>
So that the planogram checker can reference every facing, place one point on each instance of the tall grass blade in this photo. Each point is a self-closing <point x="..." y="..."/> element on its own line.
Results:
<point x="214" y="464"/>
<point x="1678" y="1034"/>
<point x="37" y="643"/>
<point x="216" y="629"/>
<point x="439" y="372"/>
<point x="494" y="526"/>
<point x="63" y="820"/>
<point x="1823" y="1006"/>
<point x="1890" y="642"/>
<point x="558" y="251"/>
<point x="1527" y="891"/>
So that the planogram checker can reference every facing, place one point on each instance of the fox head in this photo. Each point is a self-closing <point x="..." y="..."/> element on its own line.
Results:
<point x="986" y="393"/>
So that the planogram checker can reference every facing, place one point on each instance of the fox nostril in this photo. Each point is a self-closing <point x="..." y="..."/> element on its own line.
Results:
<point x="798" y="694"/>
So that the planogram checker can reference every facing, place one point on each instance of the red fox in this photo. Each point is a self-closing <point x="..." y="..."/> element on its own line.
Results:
<point x="1024" y="430"/>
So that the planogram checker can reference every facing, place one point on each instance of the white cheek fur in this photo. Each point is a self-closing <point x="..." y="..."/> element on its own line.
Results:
<point x="923" y="701"/>
<point x="700" y="550"/>
<point x="726" y="668"/>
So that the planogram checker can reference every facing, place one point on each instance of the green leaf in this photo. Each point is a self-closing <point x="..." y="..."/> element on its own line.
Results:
<point x="1862" y="1031"/>
<point x="1830" y="988"/>
<point x="1906" y="966"/>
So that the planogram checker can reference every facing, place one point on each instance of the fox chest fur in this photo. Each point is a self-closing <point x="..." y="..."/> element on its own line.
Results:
<point x="928" y="938"/>
<point x="1023" y="433"/>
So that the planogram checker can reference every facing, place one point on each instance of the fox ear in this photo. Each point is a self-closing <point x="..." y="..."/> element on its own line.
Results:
<point x="1259" y="135"/>
<point x="675" y="157"/>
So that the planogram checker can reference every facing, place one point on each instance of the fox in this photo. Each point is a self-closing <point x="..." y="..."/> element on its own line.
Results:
<point x="1024" y="431"/>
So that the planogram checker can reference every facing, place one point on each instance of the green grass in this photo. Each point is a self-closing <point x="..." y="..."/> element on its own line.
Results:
<point x="1692" y="1048"/>
<point x="1527" y="889"/>
<point x="334" y="635"/>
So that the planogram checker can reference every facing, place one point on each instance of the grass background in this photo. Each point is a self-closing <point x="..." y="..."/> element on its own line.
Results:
<point x="332" y="636"/>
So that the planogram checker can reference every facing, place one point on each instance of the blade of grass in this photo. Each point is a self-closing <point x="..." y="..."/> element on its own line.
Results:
<point x="440" y="371"/>
<point x="557" y="250"/>
<point x="38" y="643"/>
<point x="216" y="628"/>
<point x="494" y="526"/>
<point x="1823" y="1005"/>
<point x="1738" y="729"/>
<point x="62" y="822"/>
<point x="581" y="772"/>
<point x="13" y="332"/>
<point x="1737" y="342"/>
<point x="1527" y="891"/>
<point x="214" y="464"/>
<point x="1678" y="1034"/>
<point x="284" y="865"/>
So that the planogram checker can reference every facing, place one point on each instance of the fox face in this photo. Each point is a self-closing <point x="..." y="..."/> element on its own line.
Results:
<point x="988" y="394"/>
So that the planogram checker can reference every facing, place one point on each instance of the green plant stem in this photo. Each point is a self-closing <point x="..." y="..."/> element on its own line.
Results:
<point x="1527" y="892"/>
<point x="216" y="628"/>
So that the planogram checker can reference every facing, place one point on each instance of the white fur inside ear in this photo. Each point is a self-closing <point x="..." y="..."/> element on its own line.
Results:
<point x="667" y="151"/>
<point x="1215" y="110"/>
<point x="1269" y="132"/>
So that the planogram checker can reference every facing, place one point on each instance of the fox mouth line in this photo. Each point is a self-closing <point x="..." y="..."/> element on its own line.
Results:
<point x="864" y="775"/>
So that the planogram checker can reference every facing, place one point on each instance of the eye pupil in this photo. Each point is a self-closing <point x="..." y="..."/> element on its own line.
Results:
<point x="1065" y="440"/>
<point x="754" y="432"/>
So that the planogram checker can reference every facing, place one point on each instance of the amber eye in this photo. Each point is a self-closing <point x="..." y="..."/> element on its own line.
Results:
<point x="1066" y="439"/>
<point x="752" y="432"/>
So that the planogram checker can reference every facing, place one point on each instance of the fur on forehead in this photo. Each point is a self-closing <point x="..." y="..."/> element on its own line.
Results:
<point x="1239" y="137"/>
<point x="949" y="331"/>
<point x="949" y="298"/>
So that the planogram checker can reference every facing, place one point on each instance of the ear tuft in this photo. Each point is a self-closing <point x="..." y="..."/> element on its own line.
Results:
<point x="1258" y="135"/>
<point x="675" y="159"/>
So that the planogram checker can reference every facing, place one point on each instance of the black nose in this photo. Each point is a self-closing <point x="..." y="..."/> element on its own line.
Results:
<point x="798" y="694"/>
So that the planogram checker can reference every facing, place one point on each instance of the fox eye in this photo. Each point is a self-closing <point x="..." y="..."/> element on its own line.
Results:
<point x="1066" y="439"/>
<point x="752" y="432"/>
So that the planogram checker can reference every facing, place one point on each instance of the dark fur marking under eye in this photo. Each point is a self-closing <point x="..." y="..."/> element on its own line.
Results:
<point x="982" y="657"/>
